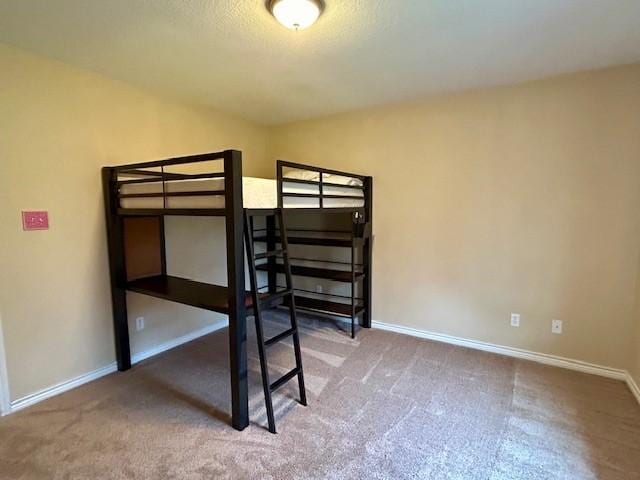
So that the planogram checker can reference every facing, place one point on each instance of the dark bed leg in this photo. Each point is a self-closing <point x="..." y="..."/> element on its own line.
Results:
<point x="236" y="289"/>
<point x="367" y="253"/>
<point x="117" y="270"/>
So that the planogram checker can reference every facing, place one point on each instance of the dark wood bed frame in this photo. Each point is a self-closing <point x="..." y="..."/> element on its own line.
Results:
<point x="137" y="253"/>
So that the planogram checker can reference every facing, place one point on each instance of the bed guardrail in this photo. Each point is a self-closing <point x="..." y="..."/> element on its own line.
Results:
<point x="321" y="178"/>
<point x="155" y="172"/>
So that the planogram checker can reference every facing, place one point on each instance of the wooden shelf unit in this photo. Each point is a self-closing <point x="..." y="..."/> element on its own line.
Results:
<point x="352" y="273"/>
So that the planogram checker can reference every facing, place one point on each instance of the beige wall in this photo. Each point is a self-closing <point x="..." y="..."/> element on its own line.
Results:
<point x="58" y="126"/>
<point x="519" y="199"/>
<point x="634" y="368"/>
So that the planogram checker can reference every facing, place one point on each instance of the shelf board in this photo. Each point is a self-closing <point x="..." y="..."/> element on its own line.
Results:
<point x="316" y="241"/>
<point x="188" y="292"/>
<point x="326" y="273"/>
<point x="324" y="306"/>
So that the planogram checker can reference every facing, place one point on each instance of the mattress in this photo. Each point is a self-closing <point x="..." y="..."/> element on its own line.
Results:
<point x="256" y="193"/>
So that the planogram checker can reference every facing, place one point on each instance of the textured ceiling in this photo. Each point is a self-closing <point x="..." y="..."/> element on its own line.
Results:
<point x="232" y="55"/>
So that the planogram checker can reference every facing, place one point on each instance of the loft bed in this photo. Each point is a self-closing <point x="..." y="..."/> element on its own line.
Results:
<point x="138" y="196"/>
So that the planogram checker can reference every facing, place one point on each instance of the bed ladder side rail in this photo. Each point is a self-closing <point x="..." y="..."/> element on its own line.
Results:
<point x="260" y="301"/>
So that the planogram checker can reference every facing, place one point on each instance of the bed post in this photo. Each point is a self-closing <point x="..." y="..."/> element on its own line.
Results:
<point x="272" y="276"/>
<point x="236" y="289"/>
<point x="117" y="268"/>
<point x="279" y="182"/>
<point x="367" y="251"/>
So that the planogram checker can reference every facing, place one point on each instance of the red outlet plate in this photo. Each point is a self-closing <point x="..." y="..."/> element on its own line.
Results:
<point x="35" y="220"/>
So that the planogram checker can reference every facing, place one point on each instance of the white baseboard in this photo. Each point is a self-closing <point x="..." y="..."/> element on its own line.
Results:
<point x="61" y="387"/>
<point x="547" y="359"/>
<point x="544" y="358"/>
<point x="633" y="386"/>
<point x="5" y="406"/>
<point x="176" y="342"/>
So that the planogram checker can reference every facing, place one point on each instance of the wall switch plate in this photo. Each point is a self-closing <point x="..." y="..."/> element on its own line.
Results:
<point x="318" y="288"/>
<point x="35" y="220"/>
<point x="556" y="326"/>
<point x="515" y="319"/>
<point x="139" y="323"/>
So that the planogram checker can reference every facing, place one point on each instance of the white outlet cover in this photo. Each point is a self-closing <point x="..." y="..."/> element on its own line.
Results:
<point x="515" y="319"/>
<point x="556" y="326"/>
<point x="140" y="323"/>
<point x="319" y="288"/>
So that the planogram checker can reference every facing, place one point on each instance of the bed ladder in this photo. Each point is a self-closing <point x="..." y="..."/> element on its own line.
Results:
<point x="261" y="301"/>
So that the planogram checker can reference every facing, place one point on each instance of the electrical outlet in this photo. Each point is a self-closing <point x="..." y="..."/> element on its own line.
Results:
<point x="139" y="323"/>
<point x="515" y="319"/>
<point x="556" y="326"/>
<point x="318" y="288"/>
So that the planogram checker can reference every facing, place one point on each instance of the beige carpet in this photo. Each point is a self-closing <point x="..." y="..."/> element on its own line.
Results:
<point x="385" y="406"/>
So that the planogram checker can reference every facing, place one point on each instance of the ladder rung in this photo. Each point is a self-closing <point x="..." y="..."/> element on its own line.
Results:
<point x="279" y="337"/>
<point x="272" y="253"/>
<point x="284" y="379"/>
<point x="275" y="296"/>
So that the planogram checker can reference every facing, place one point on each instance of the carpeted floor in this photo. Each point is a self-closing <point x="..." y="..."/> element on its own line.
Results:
<point x="384" y="406"/>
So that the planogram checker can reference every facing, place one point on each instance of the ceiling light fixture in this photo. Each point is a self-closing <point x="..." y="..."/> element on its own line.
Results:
<point x="296" y="14"/>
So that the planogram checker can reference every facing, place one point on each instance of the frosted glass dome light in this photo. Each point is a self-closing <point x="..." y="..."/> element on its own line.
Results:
<point x="296" y="14"/>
